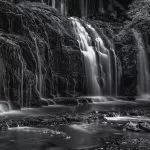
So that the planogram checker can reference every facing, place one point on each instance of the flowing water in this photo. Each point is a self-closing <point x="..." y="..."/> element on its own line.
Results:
<point x="143" y="86"/>
<point x="91" y="68"/>
<point x="107" y="72"/>
<point x="100" y="63"/>
<point x="65" y="137"/>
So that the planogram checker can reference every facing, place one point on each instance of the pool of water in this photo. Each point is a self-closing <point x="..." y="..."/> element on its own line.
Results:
<point x="73" y="136"/>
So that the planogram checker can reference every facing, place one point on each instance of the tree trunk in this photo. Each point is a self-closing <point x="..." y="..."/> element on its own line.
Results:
<point x="53" y="3"/>
<point x="101" y="7"/>
<point x="62" y="7"/>
<point x="82" y="8"/>
<point x="110" y="6"/>
<point x="65" y="7"/>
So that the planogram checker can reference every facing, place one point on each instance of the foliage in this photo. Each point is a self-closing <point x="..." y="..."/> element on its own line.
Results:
<point x="139" y="13"/>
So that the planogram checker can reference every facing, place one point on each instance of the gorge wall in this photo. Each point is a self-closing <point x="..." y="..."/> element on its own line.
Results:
<point x="40" y="57"/>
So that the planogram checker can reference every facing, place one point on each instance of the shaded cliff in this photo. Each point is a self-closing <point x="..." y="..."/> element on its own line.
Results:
<point x="39" y="54"/>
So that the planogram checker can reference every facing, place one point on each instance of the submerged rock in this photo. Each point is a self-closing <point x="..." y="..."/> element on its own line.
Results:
<point x="132" y="126"/>
<point x="144" y="126"/>
<point x="66" y="101"/>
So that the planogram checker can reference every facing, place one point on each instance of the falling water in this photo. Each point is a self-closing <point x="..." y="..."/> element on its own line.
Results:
<point x="100" y="63"/>
<point x="109" y="74"/>
<point x="143" y="67"/>
<point x="91" y="68"/>
<point x="39" y="76"/>
<point x="104" y="60"/>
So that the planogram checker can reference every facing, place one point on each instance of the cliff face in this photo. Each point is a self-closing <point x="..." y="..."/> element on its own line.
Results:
<point x="39" y="54"/>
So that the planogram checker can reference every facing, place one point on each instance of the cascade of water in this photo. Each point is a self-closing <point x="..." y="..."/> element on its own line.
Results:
<point x="100" y="62"/>
<point x="30" y="95"/>
<point x="117" y="70"/>
<point x="39" y="76"/>
<point x="20" y="88"/>
<point x="74" y="87"/>
<point x="104" y="61"/>
<point x="91" y="68"/>
<point x="107" y="72"/>
<point x="143" y="87"/>
<point x="22" y="78"/>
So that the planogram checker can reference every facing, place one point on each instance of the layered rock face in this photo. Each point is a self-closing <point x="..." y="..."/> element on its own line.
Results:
<point x="40" y="57"/>
<point x="127" y="52"/>
<point x="39" y="54"/>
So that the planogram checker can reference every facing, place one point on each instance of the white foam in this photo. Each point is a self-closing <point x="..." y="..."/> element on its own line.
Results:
<point x="128" y="118"/>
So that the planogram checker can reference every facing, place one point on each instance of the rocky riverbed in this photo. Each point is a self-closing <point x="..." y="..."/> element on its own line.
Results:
<point x="85" y="126"/>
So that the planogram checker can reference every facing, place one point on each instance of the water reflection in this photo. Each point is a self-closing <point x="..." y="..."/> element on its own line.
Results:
<point x="74" y="136"/>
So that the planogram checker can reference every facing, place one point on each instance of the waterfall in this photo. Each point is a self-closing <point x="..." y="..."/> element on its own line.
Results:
<point x="89" y="54"/>
<point x="143" y="86"/>
<point x="104" y="61"/>
<point x="101" y="64"/>
<point x="39" y="76"/>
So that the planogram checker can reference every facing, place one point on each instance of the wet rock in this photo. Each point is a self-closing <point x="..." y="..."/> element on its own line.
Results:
<point x="4" y="106"/>
<point x="48" y="101"/>
<point x="12" y="123"/>
<point x="44" y="103"/>
<point x="94" y="112"/>
<point x="51" y="102"/>
<point x="71" y="119"/>
<point x="35" y="104"/>
<point x="144" y="126"/>
<point x="132" y="126"/>
<point x="14" y="105"/>
<point x="127" y="98"/>
<point x="66" y="101"/>
<point x="3" y="127"/>
<point x="118" y="126"/>
<point x="83" y="101"/>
